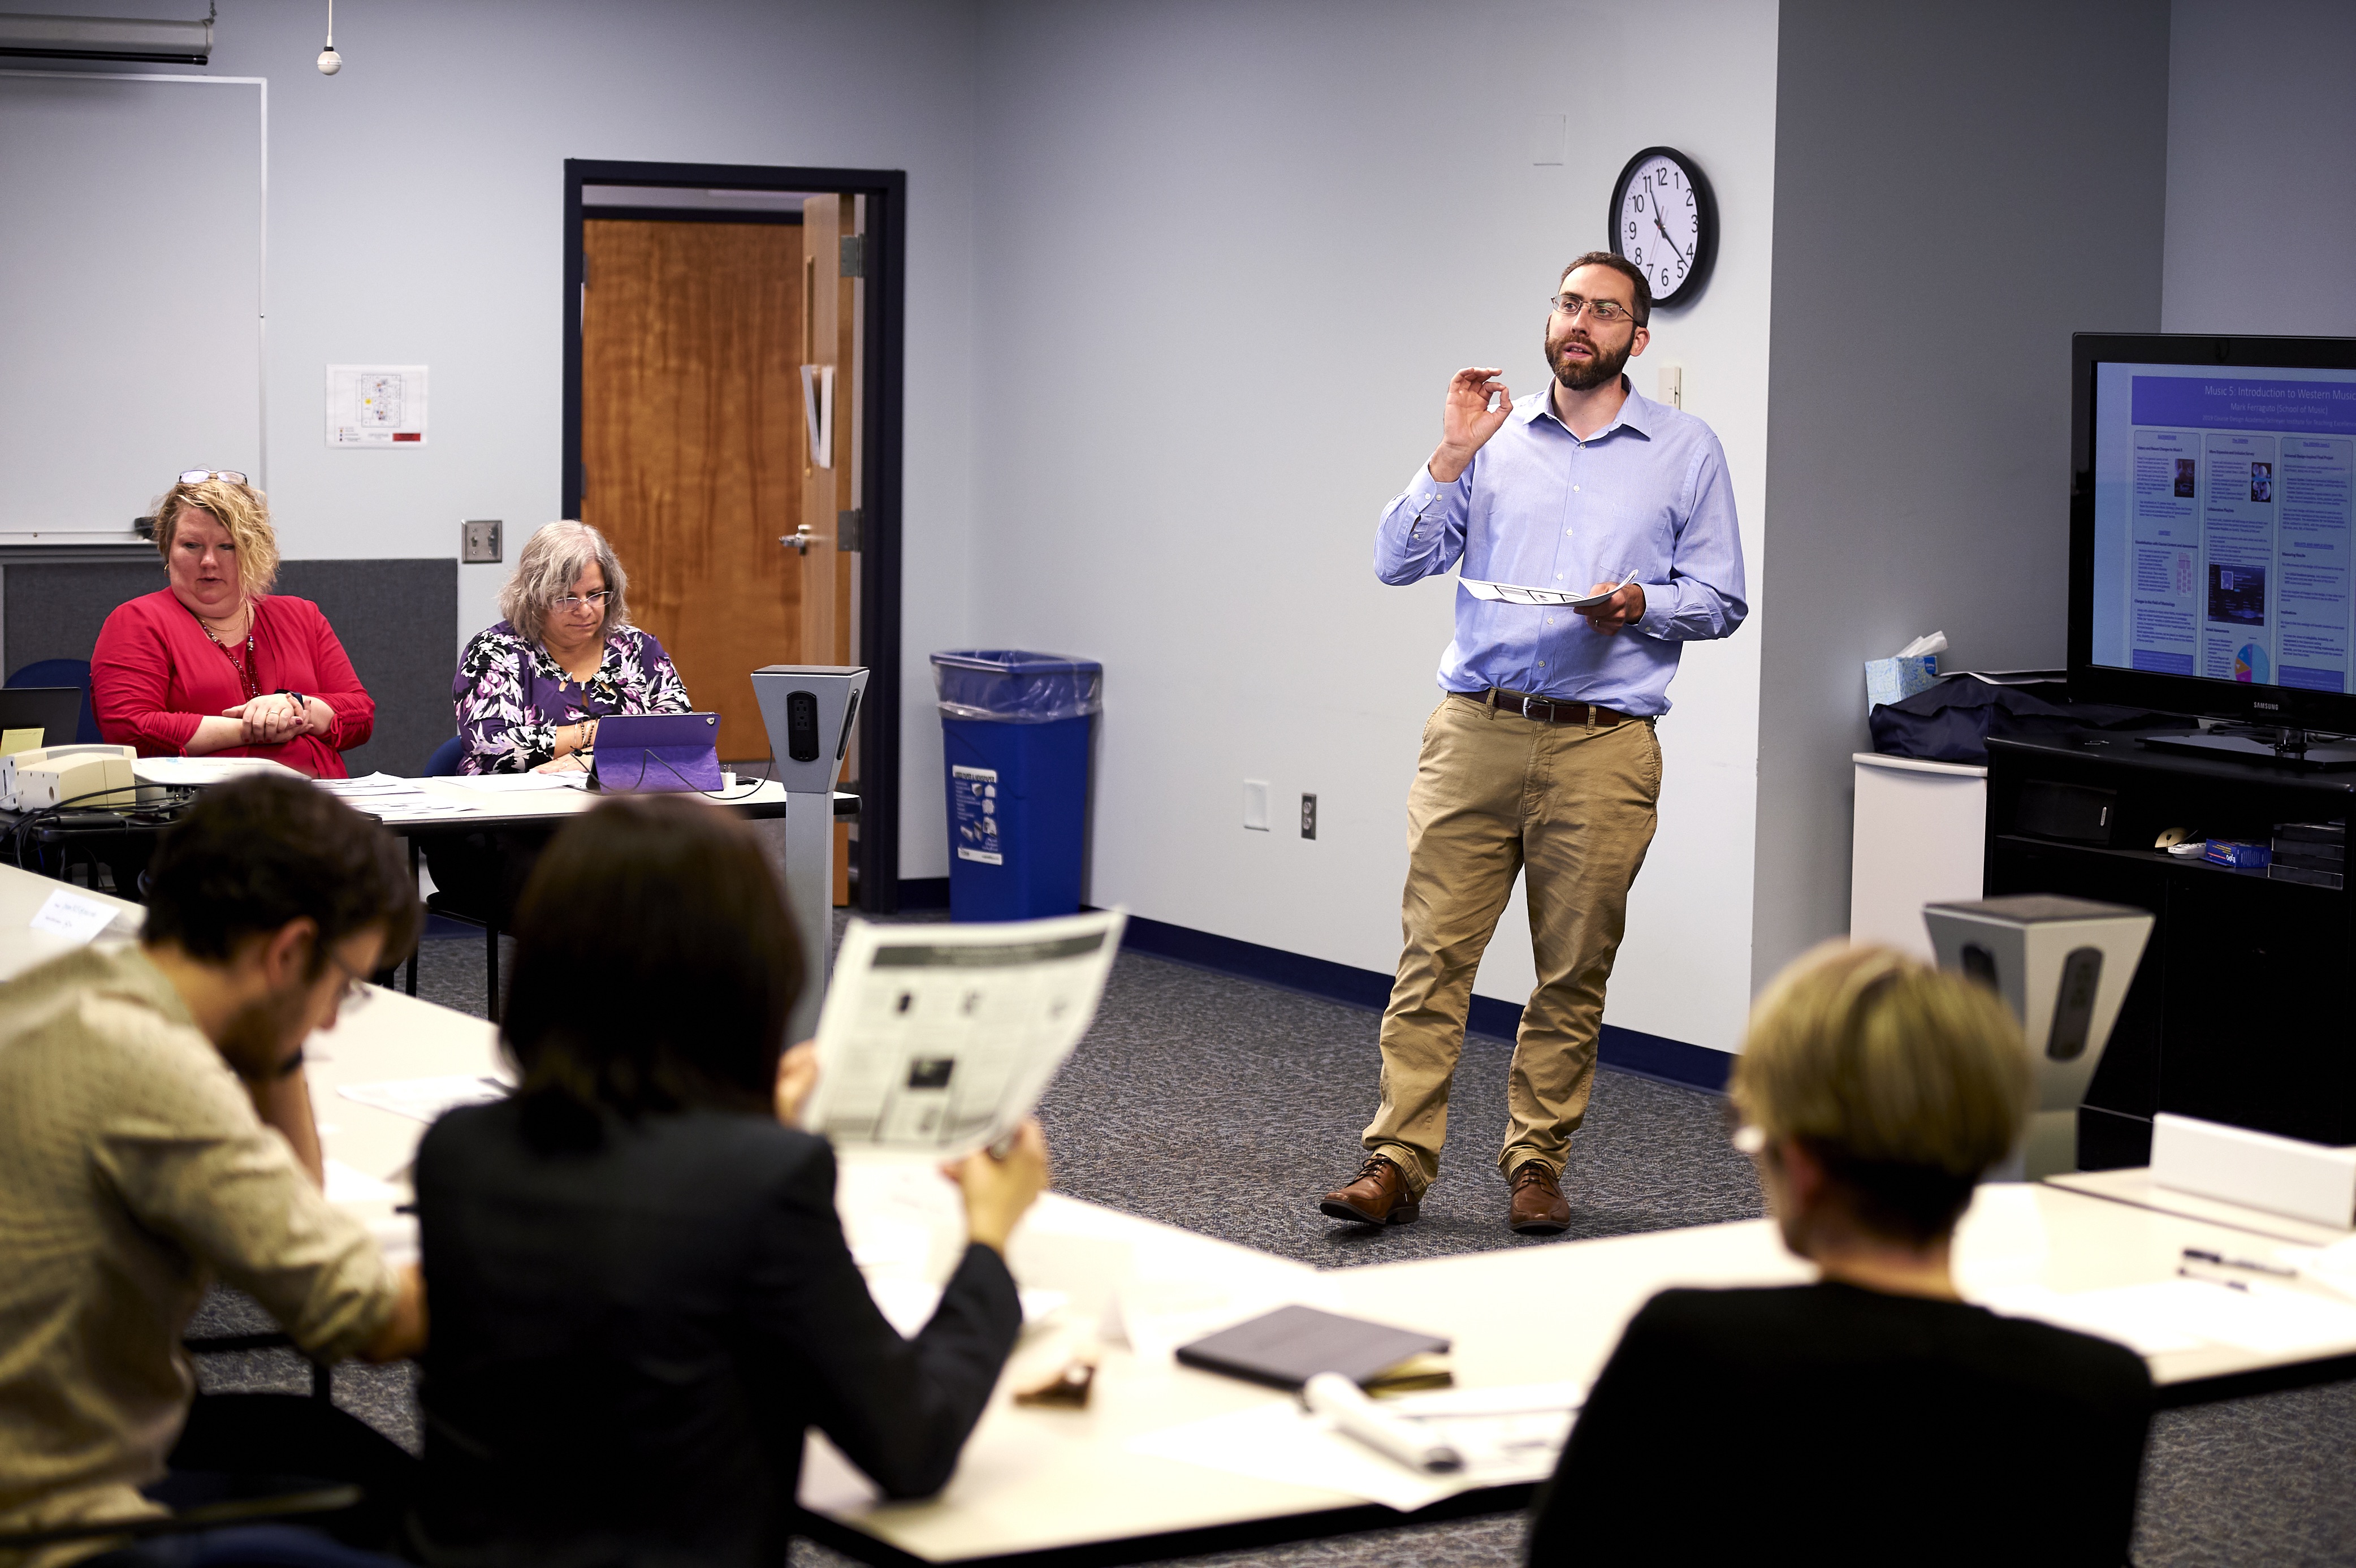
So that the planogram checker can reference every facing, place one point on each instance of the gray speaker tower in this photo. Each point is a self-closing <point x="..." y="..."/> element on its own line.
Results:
<point x="809" y="709"/>
<point x="2063" y="966"/>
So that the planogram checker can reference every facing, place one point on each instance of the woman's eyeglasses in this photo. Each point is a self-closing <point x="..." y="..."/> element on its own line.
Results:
<point x="199" y="475"/>
<point x="595" y="601"/>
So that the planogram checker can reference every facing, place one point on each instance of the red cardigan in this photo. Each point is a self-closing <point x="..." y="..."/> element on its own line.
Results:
<point x="154" y="673"/>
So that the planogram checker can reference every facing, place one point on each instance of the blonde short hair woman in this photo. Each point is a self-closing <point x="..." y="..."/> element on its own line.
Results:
<point x="1879" y="1418"/>
<point x="530" y="690"/>
<point x="217" y="664"/>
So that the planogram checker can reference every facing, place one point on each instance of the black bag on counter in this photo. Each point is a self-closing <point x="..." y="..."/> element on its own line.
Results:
<point x="1952" y="721"/>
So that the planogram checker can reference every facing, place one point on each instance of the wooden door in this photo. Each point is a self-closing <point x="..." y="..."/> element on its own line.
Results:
<point x="695" y="460"/>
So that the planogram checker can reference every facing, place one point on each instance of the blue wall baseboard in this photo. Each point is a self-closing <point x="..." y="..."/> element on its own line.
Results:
<point x="1628" y="1050"/>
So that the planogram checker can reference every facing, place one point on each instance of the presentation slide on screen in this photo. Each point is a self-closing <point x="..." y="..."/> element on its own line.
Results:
<point x="2222" y="534"/>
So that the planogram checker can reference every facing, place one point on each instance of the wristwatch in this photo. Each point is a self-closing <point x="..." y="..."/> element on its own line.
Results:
<point x="302" y="705"/>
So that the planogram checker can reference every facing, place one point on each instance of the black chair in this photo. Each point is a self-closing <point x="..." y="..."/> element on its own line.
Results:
<point x="444" y="764"/>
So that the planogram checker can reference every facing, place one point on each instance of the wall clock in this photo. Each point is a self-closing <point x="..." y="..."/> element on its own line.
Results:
<point x="1664" y="219"/>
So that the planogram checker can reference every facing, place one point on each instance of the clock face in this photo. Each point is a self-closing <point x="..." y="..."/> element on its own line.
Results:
<point x="1664" y="220"/>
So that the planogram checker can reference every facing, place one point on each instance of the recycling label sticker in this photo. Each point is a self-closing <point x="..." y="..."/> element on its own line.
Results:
<point x="974" y="828"/>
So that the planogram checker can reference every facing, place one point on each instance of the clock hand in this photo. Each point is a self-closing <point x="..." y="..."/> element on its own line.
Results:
<point x="1665" y="234"/>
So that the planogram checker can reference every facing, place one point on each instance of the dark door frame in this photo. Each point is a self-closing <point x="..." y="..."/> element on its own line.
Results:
<point x="881" y="436"/>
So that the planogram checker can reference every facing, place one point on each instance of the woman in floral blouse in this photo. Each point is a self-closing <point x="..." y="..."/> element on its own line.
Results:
<point x="530" y="690"/>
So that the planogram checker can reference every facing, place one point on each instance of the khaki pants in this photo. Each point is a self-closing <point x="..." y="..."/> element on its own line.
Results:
<point x="1496" y="793"/>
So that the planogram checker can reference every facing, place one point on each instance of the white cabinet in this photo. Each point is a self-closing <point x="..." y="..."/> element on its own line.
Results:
<point x="1917" y="841"/>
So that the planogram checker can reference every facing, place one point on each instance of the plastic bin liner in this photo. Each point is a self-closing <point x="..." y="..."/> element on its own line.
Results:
<point x="1007" y="685"/>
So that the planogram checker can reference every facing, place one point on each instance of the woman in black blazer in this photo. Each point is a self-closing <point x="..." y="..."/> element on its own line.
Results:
<point x="641" y="1294"/>
<point x="1873" y="1417"/>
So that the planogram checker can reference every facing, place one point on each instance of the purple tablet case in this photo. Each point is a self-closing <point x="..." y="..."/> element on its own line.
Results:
<point x="651" y="753"/>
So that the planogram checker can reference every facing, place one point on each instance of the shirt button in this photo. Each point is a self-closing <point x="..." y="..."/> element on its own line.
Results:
<point x="1566" y="533"/>
<point x="1574" y="489"/>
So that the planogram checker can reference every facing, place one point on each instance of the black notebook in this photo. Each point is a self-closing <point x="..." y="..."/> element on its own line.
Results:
<point x="1290" y="1346"/>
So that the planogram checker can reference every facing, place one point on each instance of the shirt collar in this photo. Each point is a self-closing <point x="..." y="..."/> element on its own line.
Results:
<point x="1639" y="413"/>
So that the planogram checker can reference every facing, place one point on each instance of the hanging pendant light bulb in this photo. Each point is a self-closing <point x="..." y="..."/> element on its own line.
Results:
<point x="330" y="61"/>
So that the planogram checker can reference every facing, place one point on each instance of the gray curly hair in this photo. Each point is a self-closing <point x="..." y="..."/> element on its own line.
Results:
<point x="553" y="559"/>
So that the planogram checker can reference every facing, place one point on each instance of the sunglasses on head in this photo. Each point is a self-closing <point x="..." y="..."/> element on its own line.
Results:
<point x="199" y="475"/>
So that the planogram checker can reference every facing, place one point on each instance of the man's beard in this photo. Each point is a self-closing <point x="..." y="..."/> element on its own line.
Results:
<point x="1605" y="366"/>
<point x="255" y="1043"/>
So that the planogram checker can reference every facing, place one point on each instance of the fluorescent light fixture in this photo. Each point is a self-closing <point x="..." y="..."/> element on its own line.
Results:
<point x="107" y="37"/>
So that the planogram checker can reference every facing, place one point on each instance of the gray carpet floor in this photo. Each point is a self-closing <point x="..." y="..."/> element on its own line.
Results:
<point x="1229" y="1107"/>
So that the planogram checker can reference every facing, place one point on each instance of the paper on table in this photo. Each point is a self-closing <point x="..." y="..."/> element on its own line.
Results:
<point x="346" y="1185"/>
<point x="908" y="1303"/>
<point x="68" y="913"/>
<point x="1515" y="1435"/>
<point x="423" y="1098"/>
<point x="939" y="1039"/>
<point x="373" y="784"/>
<point x="517" y="783"/>
<point x="2180" y="1315"/>
<point x="180" y="771"/>
<point x="1513" y="593"/>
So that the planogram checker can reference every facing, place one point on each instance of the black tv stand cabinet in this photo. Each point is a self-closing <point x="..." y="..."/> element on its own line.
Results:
<point x="2244" y="1009"/>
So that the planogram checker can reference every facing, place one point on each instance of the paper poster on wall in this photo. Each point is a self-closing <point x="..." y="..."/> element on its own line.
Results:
<point x="376" y="405"/>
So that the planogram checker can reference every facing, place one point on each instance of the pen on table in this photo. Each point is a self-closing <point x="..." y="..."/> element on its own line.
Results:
<point x="2242" y="1285"/>
<point x="2202" y="1255"/>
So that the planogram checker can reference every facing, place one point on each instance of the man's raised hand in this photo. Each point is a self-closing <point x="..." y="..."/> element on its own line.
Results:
<point x="1466" y="420"/>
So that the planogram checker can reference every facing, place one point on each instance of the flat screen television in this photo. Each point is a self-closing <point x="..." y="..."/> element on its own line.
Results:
<point x="2212" y="549"/>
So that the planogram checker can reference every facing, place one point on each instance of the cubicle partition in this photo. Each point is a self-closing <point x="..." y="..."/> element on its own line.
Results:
<point x="398" y="620"/>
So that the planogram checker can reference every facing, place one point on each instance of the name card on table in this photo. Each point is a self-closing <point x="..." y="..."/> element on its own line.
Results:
<point x="70" y="915"/>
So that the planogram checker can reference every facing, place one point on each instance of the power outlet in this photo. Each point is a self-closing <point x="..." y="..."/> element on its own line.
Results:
<point x="480" y="541"/>
<point x="1309" y="816"/>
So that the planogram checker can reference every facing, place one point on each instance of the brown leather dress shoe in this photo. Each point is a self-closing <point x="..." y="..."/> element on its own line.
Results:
<point x="1539" y="1209"/>
<point x="1378" y="1197"/>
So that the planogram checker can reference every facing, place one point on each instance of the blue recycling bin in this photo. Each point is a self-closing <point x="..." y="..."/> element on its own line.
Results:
<point x="1014" y="742"/>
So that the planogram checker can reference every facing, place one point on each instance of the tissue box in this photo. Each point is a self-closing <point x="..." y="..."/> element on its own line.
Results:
<point x="1895" y="680"/>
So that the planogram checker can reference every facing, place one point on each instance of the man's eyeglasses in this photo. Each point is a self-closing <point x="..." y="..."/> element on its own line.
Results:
<point x="355" y="990"/>
<point x="199" y="475"/>
<point x="1609" y="311"/>
<point x="595" y="601"/>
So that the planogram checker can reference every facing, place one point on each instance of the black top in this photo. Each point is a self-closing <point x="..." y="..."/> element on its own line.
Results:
<point x="1831" y="1424"/>
<point x="628" y="1343"/>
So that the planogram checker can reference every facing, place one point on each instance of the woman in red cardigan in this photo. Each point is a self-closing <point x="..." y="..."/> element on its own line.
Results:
<point x="216" y="665"/>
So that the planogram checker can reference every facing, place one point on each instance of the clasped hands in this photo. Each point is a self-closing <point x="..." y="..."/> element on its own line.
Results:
<point x="273" y="717"/>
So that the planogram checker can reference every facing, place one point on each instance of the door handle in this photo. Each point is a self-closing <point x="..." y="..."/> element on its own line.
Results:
<point x="800" y="540"/>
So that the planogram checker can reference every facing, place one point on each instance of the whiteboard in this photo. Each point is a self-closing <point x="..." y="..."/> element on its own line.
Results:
<point x="131" y="292"/>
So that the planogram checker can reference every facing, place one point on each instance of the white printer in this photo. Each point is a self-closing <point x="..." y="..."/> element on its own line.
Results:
<point x="97" y="777"/>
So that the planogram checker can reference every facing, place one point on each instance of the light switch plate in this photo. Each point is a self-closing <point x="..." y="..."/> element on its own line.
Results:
<point x="1255" y="804"/>
<point x="480" y="537"/>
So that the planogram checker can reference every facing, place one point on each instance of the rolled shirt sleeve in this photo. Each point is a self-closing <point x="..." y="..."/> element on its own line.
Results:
<point x="1422" y="530"/>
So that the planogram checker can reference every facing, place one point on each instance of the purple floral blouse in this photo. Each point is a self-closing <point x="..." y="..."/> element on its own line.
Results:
<point x="512" y="697"/>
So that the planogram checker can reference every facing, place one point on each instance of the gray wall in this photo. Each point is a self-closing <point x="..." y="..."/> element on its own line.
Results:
<point x="397" y="619"/>
<point x="2262" y="168"/>
<point x="1957" y="190"/>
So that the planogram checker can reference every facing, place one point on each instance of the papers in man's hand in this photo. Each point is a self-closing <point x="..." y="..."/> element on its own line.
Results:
<point x="1513" y="593"/>
<point x="424" y="1099"/>
<point x="939" y="1039"/>
<point x="1503" y="1436"/>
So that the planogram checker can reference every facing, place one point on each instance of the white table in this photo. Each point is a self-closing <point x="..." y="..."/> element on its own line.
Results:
<point x="1059" y="1485"/>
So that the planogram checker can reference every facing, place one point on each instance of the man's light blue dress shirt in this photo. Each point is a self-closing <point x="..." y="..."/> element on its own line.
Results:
<point x="1646" y="495"/>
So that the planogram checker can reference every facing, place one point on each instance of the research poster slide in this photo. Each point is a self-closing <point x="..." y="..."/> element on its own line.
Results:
<point x="2222" y="524"/>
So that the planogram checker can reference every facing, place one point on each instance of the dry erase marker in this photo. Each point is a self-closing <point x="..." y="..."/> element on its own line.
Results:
<point x="2242" y="1285"/>
<point x="1343" y="1404"/>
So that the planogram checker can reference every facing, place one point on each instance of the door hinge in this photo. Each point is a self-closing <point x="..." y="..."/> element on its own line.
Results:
<point x="848" y="527"/>
<point x="854" y="256"/>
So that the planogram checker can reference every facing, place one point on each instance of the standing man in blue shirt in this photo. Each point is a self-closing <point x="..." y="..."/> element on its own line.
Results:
<point x="1541" y="754"/>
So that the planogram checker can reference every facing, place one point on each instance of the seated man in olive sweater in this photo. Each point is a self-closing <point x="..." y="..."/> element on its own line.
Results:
<point x="155" y="1134"/>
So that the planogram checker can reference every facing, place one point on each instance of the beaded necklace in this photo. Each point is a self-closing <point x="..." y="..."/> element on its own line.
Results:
<point x="246" y="680"/>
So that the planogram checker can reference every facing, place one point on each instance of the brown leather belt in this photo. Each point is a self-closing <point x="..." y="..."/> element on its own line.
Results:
<point x="1546" y="710"/>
